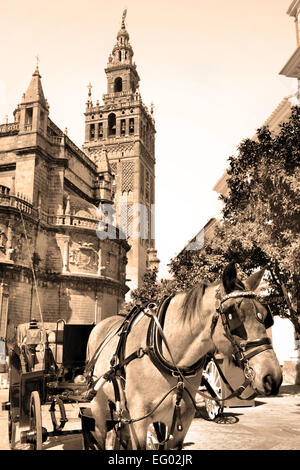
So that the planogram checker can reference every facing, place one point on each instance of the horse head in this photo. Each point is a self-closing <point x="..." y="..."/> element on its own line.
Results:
<point x="242" y="334"/>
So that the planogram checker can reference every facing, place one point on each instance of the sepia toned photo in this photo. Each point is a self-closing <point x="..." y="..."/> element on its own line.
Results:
<point x="149" y="228"/>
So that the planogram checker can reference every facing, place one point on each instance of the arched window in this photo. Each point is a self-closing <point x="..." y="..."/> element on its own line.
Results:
<point x="131" y="126"/>
<point x="92" y="131"/>
<point x="118" y="85"/>
<point x="112" y="124"/>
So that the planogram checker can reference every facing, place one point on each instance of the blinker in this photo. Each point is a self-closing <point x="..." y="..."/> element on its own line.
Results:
<point x="260" y="316"/>
<point x="233" y="318"/>
<point x="269" y="321"/>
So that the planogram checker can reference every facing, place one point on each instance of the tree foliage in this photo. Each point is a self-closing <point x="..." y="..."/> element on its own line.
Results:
<point x="151" y="290"/>
<point x="260" y="225"/>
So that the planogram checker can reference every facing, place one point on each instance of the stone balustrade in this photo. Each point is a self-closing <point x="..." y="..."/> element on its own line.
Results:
<point x="56" y="140"/>
<point x="73" y="220"/>
<point x="17" y="202"/>
<point x="11" y="128"/>
<point x="21" y="204"/>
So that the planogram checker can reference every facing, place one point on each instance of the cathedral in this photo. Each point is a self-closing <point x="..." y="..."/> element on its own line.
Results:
<point x="77" y="225"/>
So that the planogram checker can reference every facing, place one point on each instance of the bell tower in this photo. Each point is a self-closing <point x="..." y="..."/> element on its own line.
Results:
<point x="121" y="73"/>
<point x="125" y="128"/>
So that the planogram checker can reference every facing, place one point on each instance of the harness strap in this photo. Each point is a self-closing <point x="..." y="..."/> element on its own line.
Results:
<point x="177" y="410"/>
<point x="155" y="338"/>
<point x="257" y="351"/>
<point x="161" y="332"/>
<point x="90" y="366"/>
<point x="124" y="326"/>
<point x="239" y="391"/>
<point x="256" y="342"/>
<point x="135" y="420"/>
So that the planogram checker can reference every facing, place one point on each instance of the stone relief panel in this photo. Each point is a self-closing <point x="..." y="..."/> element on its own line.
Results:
<point x="83" y="255"/>
<point x="6" y="241"/>
<point x="3" y="240"/>
<point x="21" y="250"/>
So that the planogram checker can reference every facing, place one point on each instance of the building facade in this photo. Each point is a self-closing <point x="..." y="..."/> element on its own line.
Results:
<point x="57" y="256"/>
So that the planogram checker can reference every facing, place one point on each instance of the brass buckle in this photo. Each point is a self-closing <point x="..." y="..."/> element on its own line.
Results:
<point x="140" y="353"/>
<point x="114" y="361"/>
<point x="249" y="372"/>
<point x="180" y="385"/>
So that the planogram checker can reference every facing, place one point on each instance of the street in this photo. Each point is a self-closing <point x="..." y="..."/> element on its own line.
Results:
<point x="273" y="424"/>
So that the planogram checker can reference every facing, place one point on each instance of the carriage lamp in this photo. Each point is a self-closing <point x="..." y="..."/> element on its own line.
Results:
<point x="80" y="379"/>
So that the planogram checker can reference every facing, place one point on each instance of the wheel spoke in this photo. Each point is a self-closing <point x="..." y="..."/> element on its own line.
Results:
<point x="212" y="374"/>
<point x="35" y="419"/>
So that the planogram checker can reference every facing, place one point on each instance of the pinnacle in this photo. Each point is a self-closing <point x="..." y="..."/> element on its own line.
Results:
<point x="103" y="162"/>
<point x="123" y="19"/>
<point x="34" y="91"/>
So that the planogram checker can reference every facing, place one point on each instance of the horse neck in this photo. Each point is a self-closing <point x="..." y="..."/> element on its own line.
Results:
<point x="189" y="340"/>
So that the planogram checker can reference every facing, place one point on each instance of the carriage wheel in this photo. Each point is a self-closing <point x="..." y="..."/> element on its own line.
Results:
<point x="213" y="377"/>
<point x="12" y="424"/>
<point x="112" y="441"/>
<point x="35" y="420"/>
<point x="12" y="427"/>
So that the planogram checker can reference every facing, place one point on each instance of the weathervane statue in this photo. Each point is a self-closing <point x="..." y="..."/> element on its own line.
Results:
<point x="123" y="17"/>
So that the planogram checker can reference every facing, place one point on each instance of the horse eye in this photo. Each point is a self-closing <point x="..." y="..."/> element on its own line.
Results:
<point x="229" y="316"/>
<point x="260" y="316"/>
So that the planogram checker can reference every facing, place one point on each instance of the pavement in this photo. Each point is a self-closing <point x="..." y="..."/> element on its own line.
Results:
<point x="272" y="424"/>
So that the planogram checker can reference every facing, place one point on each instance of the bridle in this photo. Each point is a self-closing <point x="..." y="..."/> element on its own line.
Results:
<point x="243" y="351"/>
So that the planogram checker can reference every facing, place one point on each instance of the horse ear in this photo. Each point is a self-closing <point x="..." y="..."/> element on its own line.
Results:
<point x="229" y="277"/>
<point x="254" y="280"/>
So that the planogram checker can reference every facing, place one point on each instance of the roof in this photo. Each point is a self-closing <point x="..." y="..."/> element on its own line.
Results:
<point x="294" y="8"/>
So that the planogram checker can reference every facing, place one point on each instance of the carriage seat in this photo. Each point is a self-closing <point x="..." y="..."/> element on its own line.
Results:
<point x="50" y="328"/>
<point x="55" y="337"/>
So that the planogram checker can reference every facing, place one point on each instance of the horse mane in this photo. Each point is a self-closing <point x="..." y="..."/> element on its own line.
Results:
<point x="192" y="300"/>
<point x="194" y="295"/>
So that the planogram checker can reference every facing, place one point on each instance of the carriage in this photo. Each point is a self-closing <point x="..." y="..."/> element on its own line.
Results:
<point x="44" y="370"/>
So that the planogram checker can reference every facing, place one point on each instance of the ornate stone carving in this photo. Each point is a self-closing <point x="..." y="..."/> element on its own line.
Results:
<point x="114" y="167"/>
<point x="3" y="242"/>
<point x="84" y="256"/>
<point x="19" y="250"/>
<point x="127" y="176"/>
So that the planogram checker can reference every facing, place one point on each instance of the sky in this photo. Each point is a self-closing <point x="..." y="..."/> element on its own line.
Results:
<point x="210" y="68"/>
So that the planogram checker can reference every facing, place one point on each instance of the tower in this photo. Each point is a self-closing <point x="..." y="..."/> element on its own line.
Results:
<point x="124" y="129"/>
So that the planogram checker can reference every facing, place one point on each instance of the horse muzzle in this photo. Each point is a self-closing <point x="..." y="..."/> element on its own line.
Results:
<point x="268" y="383"/>
<point x="271" y="385"/>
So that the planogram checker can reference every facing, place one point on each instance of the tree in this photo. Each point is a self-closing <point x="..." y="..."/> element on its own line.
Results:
<point x="260" y="225"/>
<point x="151" y="290"/>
